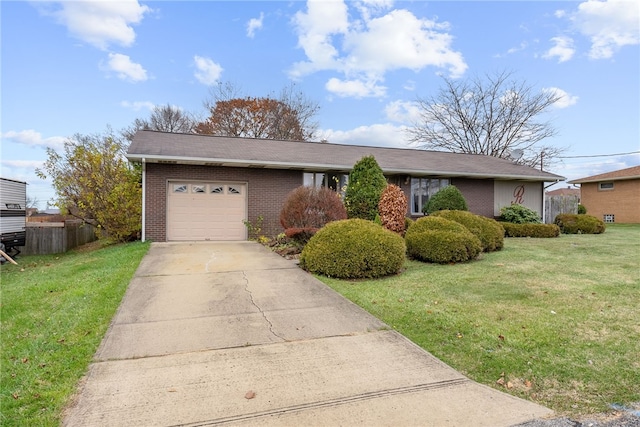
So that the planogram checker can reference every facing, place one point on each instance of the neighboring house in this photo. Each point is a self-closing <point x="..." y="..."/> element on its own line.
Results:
<point x="200" y="187"/>
<point x="613" y="196"/>
<point x="564" y="192"/>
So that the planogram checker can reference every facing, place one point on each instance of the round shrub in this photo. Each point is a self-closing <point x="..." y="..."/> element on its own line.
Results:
<point x="582" y="209"/>
<point x="393" y="208"/>
<point x="439" y="240"/>
<point x="449" y="198"/>
<point x="487" y="230"/>
<point x="579" y="224"/>
<point x="353" y="249"/>
<point x="308" y="209"/>
<point x="519" y="214"/>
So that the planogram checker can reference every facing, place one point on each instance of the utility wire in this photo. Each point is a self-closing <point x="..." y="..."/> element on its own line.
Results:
<point x="598" y="155"/>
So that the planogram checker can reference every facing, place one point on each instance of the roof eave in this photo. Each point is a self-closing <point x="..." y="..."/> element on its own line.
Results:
<point x="603" y="179"/>
<point x="323" y="167"/>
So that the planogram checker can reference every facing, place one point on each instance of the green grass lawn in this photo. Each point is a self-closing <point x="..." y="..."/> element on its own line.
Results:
<point x="556" y="321"/>
<point x="55" y="310"/>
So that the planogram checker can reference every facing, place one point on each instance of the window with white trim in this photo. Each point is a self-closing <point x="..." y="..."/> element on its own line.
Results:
<point x="422" y="189"/>
<point x="198" y="188"/>
<point x="605" y="186"/>
<point x="332" y="180"/>
<point x="609" y="218"/>
<point x="179" y="188"/>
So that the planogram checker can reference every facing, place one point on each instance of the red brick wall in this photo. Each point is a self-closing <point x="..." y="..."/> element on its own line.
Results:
<point x="266" y="190"/>
<point x="623" y="200"/>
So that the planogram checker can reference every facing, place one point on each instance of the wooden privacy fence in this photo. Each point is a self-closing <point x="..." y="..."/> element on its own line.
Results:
<point x="45" y="238"/>
<point x="556" y="205"/>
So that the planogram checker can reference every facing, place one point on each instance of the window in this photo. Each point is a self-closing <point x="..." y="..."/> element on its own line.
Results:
<point x="334" y="181"/>
<point x="217" y="189"/>
<point x="605" y="186"/>
<point x="179" y="188"/>
<point x="609" y="218"/>
<point x="422" y="189"/>
<point x="233" y="190"/>
<point x="197" y="188"/>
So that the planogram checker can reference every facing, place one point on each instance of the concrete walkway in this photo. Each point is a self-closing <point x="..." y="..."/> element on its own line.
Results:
<point x="233" y="334"/>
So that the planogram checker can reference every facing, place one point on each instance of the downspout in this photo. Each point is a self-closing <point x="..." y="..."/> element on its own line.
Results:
<point x="144" y="198"/>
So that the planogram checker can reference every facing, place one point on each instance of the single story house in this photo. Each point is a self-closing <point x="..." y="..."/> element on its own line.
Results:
<point x="202" y="187"/>
<point x="612" y="196"/>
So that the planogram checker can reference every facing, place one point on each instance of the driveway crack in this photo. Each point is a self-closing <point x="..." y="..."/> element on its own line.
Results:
<point x="264" y="315"/>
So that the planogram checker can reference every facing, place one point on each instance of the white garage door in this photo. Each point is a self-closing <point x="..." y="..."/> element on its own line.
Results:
<point x="206" y="211"/>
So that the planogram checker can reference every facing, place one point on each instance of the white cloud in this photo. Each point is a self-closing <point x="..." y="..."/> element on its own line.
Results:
<point x="254" y="24"/>
<point x="365" y="49"/>
<point x="354" y="88"/>
<point x="563" y="49"/>
<point x="34" y="139"/>
<point x="23" y="164"/>
<point x="99" y="23"/>
<point x="138" y="105"/>
<point x="208" y="72"/>
<point x="376" y="135"/>
<point x="609" y="25"/>
<point x="566" y="100"/>
<point x="402" y="111"/>
<point x="125" y="69"/>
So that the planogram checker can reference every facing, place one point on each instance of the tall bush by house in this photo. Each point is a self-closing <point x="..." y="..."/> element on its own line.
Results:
<point x="519" y="214"/>
<point x="393" y="208"/>
<point x="308" y="209"/>
<point x="488" y="230"/>
<point x="352" y="249"/>
<point x="366" y="183"/>
<point x="448" y="198"/>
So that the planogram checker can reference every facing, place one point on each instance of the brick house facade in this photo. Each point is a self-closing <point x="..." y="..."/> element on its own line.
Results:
<point x="269" y="170"/>
<point x="613" y="196"/>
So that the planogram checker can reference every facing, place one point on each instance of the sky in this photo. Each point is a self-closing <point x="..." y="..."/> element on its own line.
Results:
<point x="80" y="66"/>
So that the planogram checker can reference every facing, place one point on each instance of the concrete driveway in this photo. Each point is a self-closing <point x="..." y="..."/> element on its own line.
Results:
<point x="233" y="334"/>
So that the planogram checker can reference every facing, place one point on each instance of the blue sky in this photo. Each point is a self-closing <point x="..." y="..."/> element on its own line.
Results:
<point x="75" y="67"/>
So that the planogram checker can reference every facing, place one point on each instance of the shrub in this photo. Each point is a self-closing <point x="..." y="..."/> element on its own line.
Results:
<point x="393" y="208"/>
<point x="407" y="223"/>
<point x="366" y="183"/>
<point x="308" y="209"/>
<point x="579" y="224"/>
<point x="439" y="240"/>
<point x="487" y="230"/>
<point x="449" y="198"/>
<point x="530" y="230"/>
<point x="352" y="249"/>
<point x="519" y="214"/>
<point x="582" y="209"/>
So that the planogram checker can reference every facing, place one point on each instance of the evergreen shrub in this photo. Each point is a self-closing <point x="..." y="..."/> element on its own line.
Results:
<point x="579" y="224"/>
<point x="440" y="240"/>
<point x="366" y="183"/>
<point x="519" y="214"/>
<point x="308" y="209"/>
<point x="448" y="198"/>
<point x="582" y="209"/>
<point x="530" y="230"/>
<point x="353" y="249"/>
<point x="488" y="230"/>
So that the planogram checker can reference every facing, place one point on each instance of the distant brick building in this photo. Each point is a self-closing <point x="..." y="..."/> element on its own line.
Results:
<point x="612" y="196"/>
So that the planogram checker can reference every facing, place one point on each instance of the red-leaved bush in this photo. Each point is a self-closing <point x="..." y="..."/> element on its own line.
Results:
<point x="308" y="209"/>
<point x="393" y="208"/>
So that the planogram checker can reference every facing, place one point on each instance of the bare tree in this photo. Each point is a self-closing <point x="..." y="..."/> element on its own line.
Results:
<point x="497" y="117"/>
<point x="288" y="116"/>
<point x="164" y="118"/>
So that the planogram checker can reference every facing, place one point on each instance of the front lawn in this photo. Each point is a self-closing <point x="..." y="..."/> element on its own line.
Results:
<point x="55" y="310"/>
<point x="556" y="321"/>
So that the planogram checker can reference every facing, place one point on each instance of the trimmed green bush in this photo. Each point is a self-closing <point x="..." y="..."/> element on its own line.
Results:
<point x="582" y="209"/>
<point x="440" y="240"/>
<point x="519" y="214"/>
<point x="354" y="249"/>
<point x="488" y="230"/>
<point x="449" y="198"/>
<point x="579" y="224"/>
<point x="530" y="230"/>
<point x="366" y="183"/>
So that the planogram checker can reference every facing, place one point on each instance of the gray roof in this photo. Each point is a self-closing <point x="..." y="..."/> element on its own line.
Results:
<point x="162" y="147"/>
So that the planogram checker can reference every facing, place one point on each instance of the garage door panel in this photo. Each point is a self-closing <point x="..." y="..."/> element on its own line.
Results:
<point x="215" y="214"/>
